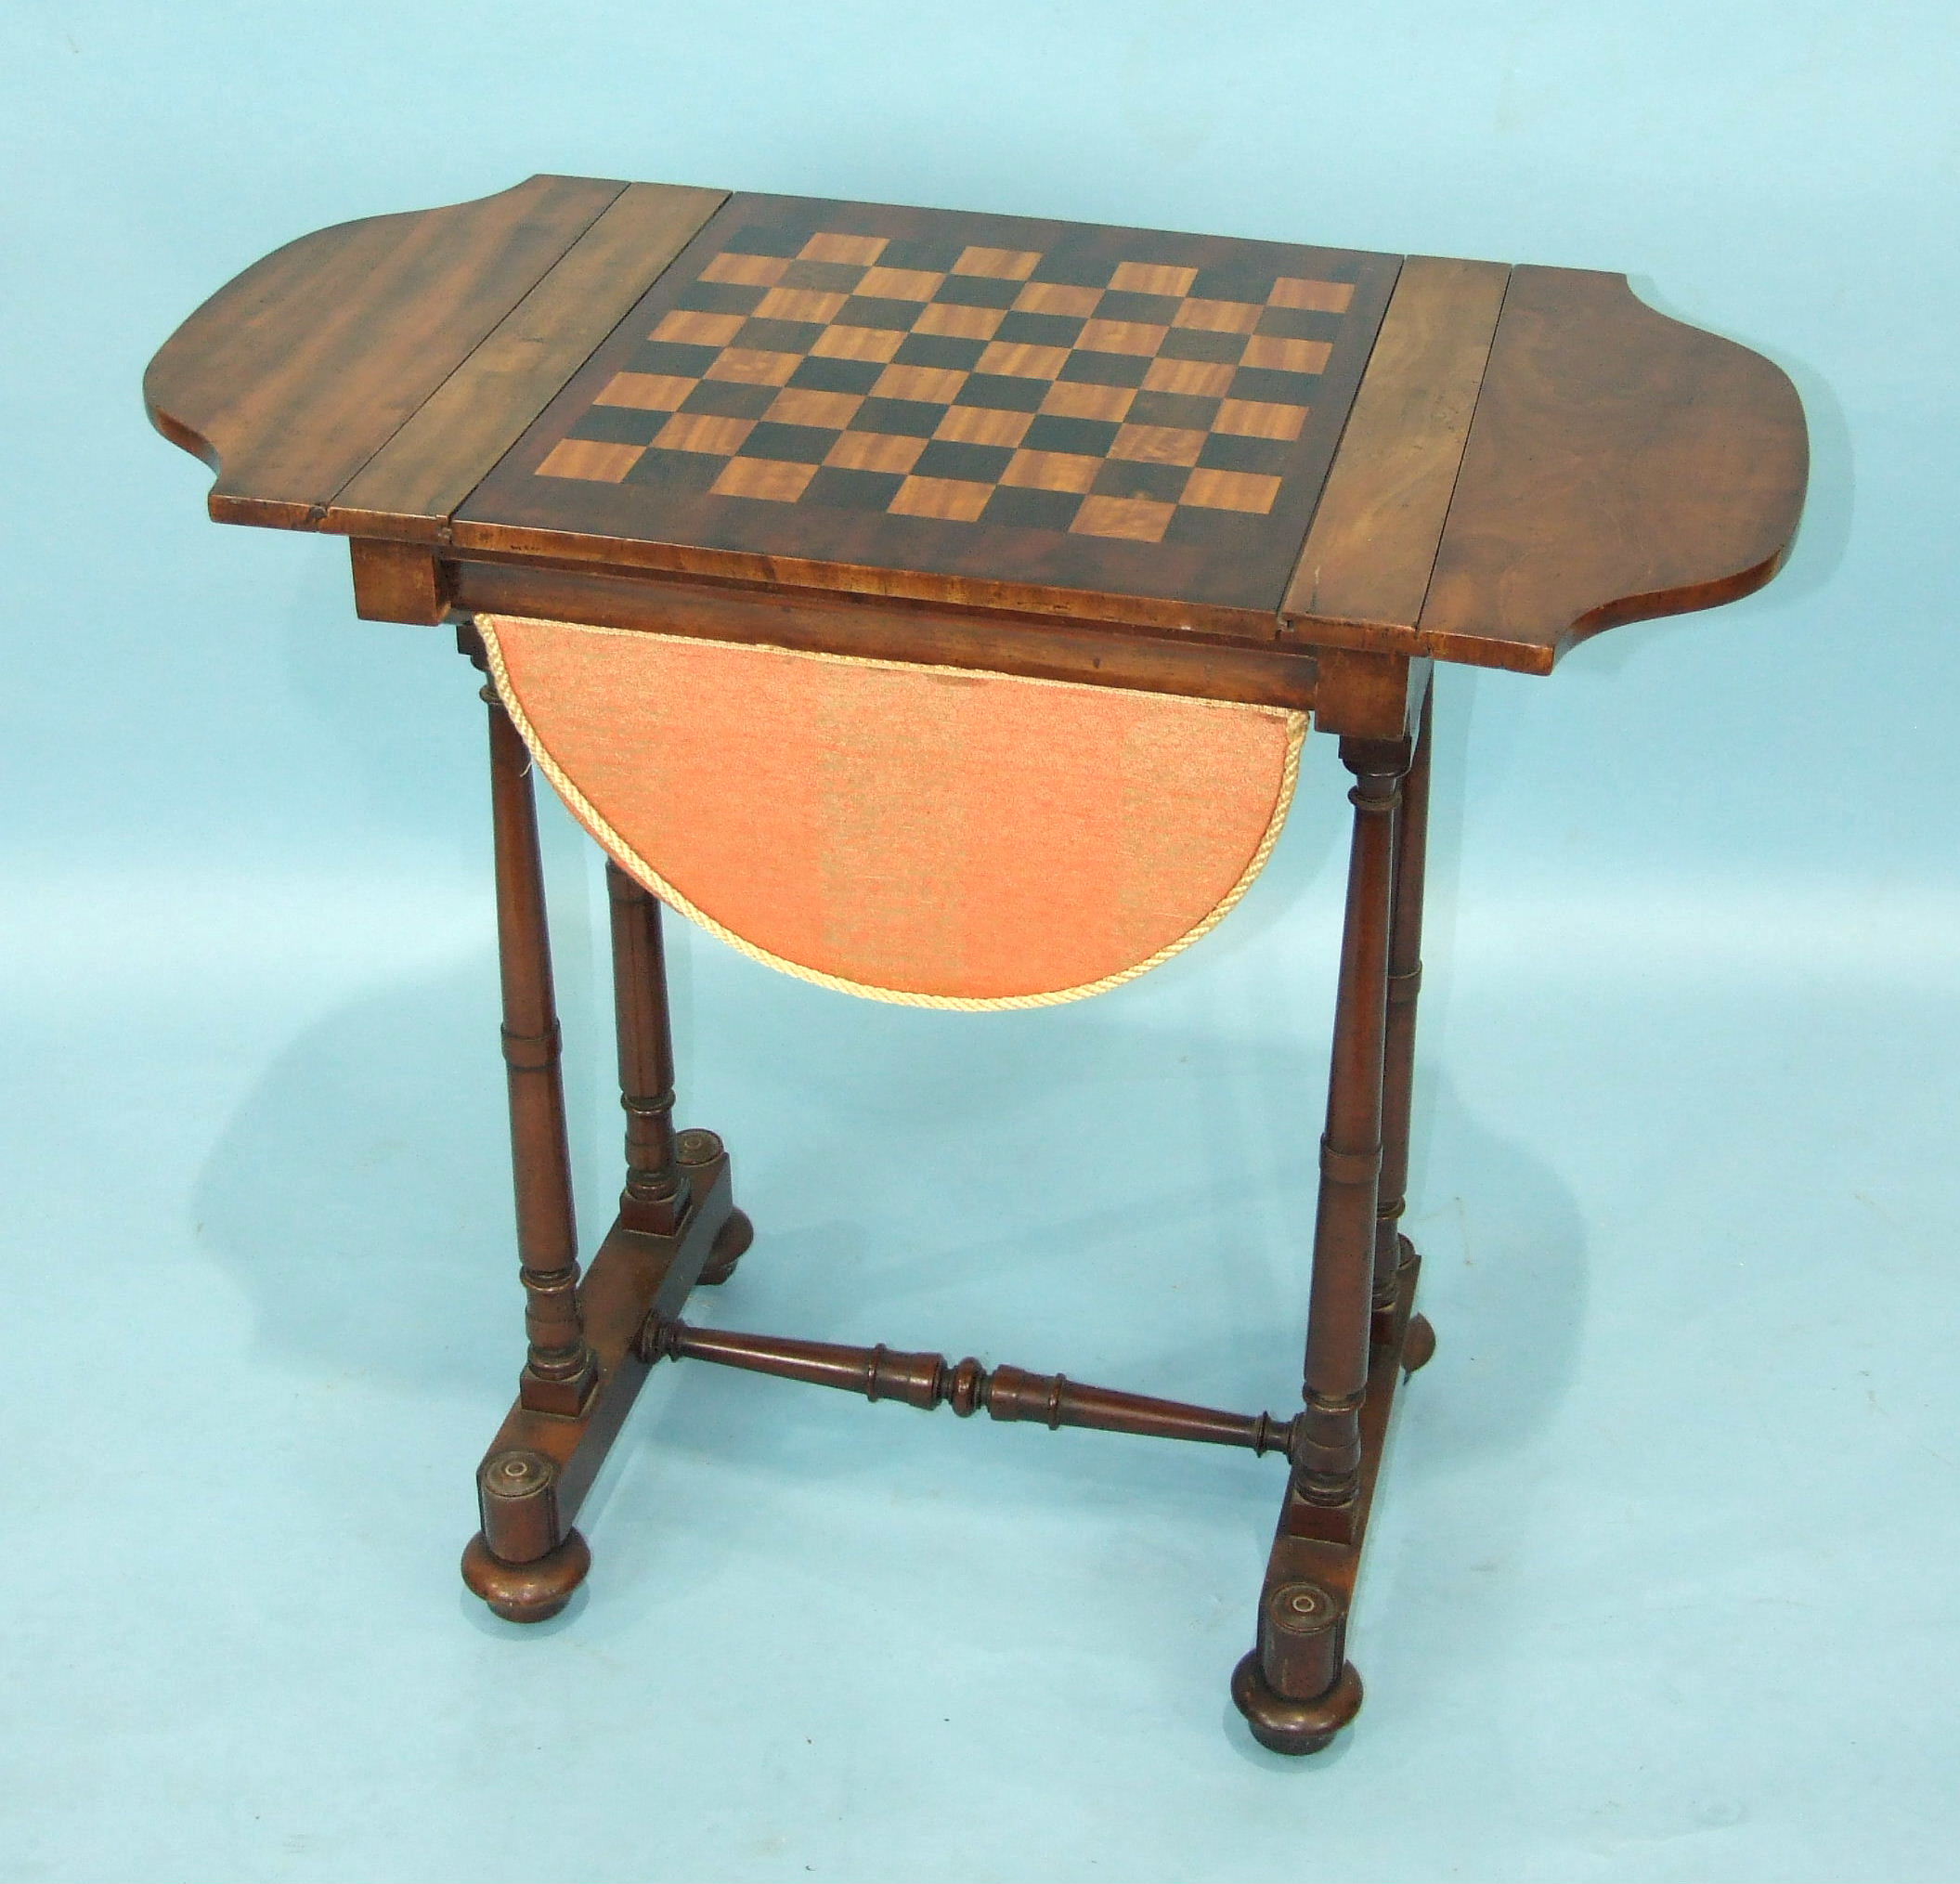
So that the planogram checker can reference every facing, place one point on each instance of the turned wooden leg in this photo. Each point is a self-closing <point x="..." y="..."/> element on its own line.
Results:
<point x="1394" y="1253"/>
<point x="1296" y="1688"/>
<point x="656" y="1192"/>
<point x="1328" y="1453"/>
<point x="558" y="1369"/>
<point x="660" y="1163"/>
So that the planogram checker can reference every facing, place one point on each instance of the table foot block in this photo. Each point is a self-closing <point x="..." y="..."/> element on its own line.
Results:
<point x="730" y="1243"/>
<point x="526" y="1560"/>
<point x="1294" y="1727"/>
<point x="1296" y="1688"/>
<point x="526" y="1593"/>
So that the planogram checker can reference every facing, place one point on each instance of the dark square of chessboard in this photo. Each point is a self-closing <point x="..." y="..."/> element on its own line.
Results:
<point x="1129" y="478"/>
<point x="976" y="463"/>
<point x="1233" y="282"/>
<point x="1187" y="411"/>
<point x="1016" y="507"/>
<point x="1040" y="330"/>
<point x="720" y="298"/>
<point x="939" y="350"/>
<point x="827" y="278"/>
<point x="904" y="418"/>
<point x="1080" y="437"/>
<point x="619" y="425"/>
<point x="835" y="489"/>
<point x="876" y="310"/>
<point x="1004" y="392"/>
<point x="1298" y="323"/>
<point x="1202" y="342"/>
<point x="925" y="257"/>
<point x="730" y="399"/>
<point x="1124" y="303"/>
<point x="1106" y="369"/>
<point x="676" y="473"/>
<point x="1272" y="388"/>
<point x="1226" y="451"/>
<point x="823" y="375"/>
<point x="678" y="359"/>
<point x="777" y="336"/>
<point x="765" y="238"/>
<point x="976" y="291"/>
<point x="796" y="444"/>
<point x="1075" y="268"/>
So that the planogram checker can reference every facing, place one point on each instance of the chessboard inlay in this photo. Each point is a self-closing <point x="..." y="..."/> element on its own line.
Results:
<point x="974" y="395"/>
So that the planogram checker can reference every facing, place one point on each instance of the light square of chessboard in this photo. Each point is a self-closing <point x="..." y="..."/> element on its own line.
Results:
<point x="588" y="458"/>
<point x="1219" y="316"/>
<point x="1140" y="519"/>
<point x="825" y="247"/>
<point x="1232" y="490"/>
<point x="983" y="425"/>
<point x="954" y="322"/>
<point x="1158" y="445"/>
<point x="704" y="431"/>
<point x="1322" y="297"/>
<point x="1057" y="298"/>
<point x="694" y="329"/>
<point x="1257" y="419"/>
<point x="1051" y="471"/>
<point x="934" y="385"/>
<point x="1200" y="379"/>
<point x="1083" y="399"/>
<point x="857" y="342"/>
<point x="763" y="477"/>
<point x="901" y="284"/>
<point x="942" y="497"/>
<point x="1021" y="360"/>
<point x="746" y="271"/>
<point x="751" y="368"/>
<point x="645" y="391"/>
<point x="1005" y="265"/>
<point x="1153" y="278"/>
<point x="1287" y="355"/>
<point x="1121" y="336"/>
<point x="807" y="406"/>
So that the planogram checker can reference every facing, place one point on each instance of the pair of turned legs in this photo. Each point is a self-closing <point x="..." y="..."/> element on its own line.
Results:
<point x="589" y="1344"/>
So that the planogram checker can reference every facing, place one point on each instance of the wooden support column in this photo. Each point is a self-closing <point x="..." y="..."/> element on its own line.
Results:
<point x="1393" y="1250"/>
<point x="656" y="1193"/>
<point x="1328" y="1449"/>
<point x="558" y="1370"/>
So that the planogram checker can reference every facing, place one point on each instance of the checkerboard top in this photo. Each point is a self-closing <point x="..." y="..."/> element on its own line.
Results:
<point x="976" y="396"/>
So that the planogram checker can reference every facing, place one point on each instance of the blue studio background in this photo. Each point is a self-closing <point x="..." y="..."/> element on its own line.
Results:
<point x="1661" y="1586"/>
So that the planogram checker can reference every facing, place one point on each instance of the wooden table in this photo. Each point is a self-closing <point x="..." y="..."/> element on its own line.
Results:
<point x="1217" y="469"/>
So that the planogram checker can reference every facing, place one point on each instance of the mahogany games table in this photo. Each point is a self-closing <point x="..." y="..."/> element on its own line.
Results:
<point x="933" y="604"/>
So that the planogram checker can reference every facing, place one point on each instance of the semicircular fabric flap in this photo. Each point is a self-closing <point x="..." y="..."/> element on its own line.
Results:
<point x="925" y="835"/>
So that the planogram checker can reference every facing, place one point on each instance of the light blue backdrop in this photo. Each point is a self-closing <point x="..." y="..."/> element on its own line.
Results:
<point x="1661" y="1587"/>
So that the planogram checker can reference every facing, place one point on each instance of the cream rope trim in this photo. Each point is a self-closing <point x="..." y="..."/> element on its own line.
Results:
<point x="636" y="865"/>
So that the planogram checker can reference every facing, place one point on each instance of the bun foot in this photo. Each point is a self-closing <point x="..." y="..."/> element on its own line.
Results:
<point x="731" y="1240"/>
<point x="526" y="1593"/>
<point x="1294" y="1727"/>
<point x="1419" y="1345"/>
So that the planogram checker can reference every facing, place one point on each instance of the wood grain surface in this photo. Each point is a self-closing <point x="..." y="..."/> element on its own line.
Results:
<point x="293" y="375"/>
<point x="409" y="486"/>
<point x="1375" y="537"/>
<point x="371" y="379"/>
<point x="1621" y="465"/>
